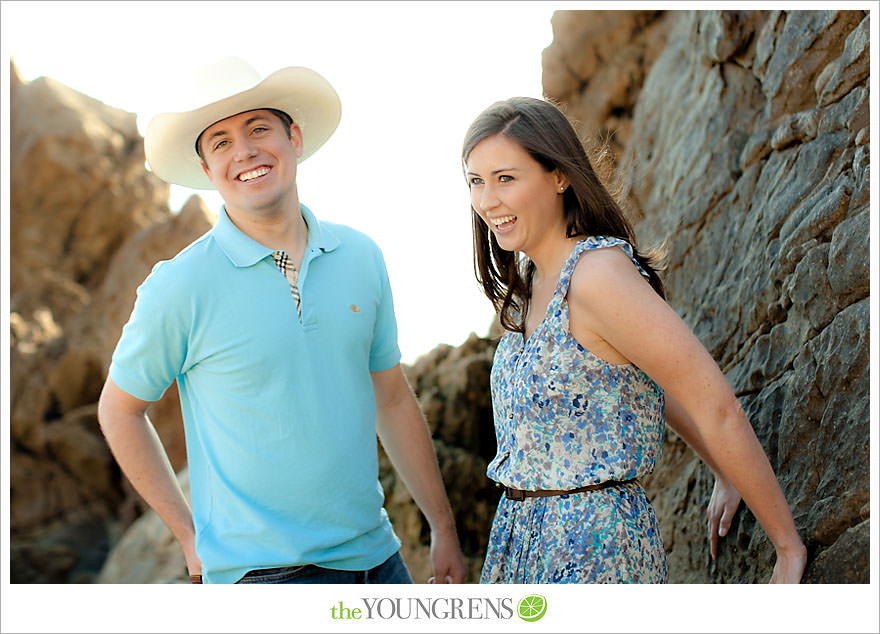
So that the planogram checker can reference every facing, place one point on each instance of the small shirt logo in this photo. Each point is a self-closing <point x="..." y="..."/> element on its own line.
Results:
<point x="354" y="308"/>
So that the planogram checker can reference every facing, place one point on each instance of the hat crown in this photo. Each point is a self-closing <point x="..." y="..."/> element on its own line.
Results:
<point x="227" y="77"/>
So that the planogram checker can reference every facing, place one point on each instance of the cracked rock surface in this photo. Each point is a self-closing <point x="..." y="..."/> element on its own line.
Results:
<point x="745" y="148"/>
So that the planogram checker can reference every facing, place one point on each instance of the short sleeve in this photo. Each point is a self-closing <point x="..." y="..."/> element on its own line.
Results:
<point x="151" y="350"/>
<point x="384" y="350"/>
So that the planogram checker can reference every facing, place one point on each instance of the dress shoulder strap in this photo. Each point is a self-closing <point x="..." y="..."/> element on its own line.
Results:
<point x="588" y="244"/>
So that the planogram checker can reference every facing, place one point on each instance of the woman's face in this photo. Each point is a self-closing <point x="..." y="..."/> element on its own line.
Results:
<point x="514" y="195"/>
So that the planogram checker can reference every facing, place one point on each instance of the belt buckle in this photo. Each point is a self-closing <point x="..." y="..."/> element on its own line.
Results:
<point x="514" y="494"/>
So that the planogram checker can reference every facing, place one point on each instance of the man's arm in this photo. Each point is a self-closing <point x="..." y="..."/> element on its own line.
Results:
<point x="405" y="437"/>
<point x="141" y="456"/>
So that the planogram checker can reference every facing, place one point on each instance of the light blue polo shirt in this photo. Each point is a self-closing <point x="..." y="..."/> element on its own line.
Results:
<point x="278" y="410"/>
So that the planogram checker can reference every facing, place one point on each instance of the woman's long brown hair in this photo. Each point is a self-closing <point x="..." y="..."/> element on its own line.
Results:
<point x="545" y="133"/>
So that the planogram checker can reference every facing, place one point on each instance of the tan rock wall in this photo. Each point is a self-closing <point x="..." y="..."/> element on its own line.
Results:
<point x="87" y="224"/>
<point x="596" y="65"/>
<point x="748" y="153"/>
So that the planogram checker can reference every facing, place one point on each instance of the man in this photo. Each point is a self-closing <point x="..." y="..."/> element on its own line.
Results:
<point x="280" y="332"/>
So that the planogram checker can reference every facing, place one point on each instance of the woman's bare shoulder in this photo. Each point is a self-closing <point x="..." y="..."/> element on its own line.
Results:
<point x="599" y="271"/>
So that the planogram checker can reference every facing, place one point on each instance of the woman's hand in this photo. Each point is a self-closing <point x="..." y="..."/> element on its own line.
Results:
<point x="790" y="564"/>
<point x="722" y="507"/>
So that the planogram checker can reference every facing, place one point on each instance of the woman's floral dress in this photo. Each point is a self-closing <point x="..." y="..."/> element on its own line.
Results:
<point x="564" y="419"/>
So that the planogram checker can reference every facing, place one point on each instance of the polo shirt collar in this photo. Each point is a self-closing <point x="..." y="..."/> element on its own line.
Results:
<point x="242" y="250"/>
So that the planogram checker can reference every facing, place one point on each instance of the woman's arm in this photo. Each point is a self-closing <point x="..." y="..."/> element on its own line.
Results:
<point x="725" y="498"/>
<point x="610" y="298"/>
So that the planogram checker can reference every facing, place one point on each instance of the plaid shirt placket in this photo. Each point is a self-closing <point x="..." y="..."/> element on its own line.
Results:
<point x="282" y="261"/>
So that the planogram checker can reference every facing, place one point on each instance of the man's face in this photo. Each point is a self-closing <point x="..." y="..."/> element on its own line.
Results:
<point x="251" y="161"/>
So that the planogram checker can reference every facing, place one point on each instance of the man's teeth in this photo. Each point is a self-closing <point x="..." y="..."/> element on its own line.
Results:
<point x="500" y="221"/>
<point x="253" y="174"/>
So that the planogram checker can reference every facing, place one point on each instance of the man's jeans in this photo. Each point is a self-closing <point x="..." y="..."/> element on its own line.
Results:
<point x="392" y="571"/>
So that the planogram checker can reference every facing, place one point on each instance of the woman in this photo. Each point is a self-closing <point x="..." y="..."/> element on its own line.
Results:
<point x="591" y="358"/>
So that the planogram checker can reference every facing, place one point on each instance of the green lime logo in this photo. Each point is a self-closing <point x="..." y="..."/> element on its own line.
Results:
<point x="532" y="607"/>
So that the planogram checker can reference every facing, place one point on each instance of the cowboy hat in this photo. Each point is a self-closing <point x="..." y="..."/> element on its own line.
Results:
<point x="230" y="87"/>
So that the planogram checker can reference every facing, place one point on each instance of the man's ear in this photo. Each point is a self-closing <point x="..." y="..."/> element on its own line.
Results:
<point x="205" y="168"/>
<point x="296" y="137"/>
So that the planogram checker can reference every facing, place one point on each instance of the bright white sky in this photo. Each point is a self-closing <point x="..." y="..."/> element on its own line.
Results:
<point x="411" y="77"/>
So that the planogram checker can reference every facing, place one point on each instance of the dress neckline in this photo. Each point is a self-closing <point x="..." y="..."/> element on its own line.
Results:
<point x="580" y="246"/>
<point x="524" y="341"/>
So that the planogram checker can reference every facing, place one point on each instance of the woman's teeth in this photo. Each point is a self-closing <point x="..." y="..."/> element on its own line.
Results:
<point x="502" y="220"/>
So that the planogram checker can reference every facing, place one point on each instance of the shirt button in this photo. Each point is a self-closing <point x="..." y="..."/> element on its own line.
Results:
<point x="510" y="417"/>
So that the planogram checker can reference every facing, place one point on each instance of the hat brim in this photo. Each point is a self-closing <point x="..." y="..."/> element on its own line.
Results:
<point x="169" y="143"/>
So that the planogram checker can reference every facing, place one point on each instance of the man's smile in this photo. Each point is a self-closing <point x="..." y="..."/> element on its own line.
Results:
<point x="250" y="175"/>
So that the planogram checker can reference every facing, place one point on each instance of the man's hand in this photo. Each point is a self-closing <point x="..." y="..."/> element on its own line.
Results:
<point x="446" y="559"/>
<point x="193" y="563"/>
<point x="407" y="441"/>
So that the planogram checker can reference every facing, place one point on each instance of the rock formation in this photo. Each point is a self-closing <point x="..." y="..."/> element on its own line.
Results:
<point x="743" y="143"/>
<point x="147" y="551"/>
<point x="87" y="224"/>
<point x="595" y="67"/>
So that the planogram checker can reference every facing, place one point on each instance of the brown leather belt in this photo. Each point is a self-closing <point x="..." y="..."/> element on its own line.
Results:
<point x="520" y="495"/>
